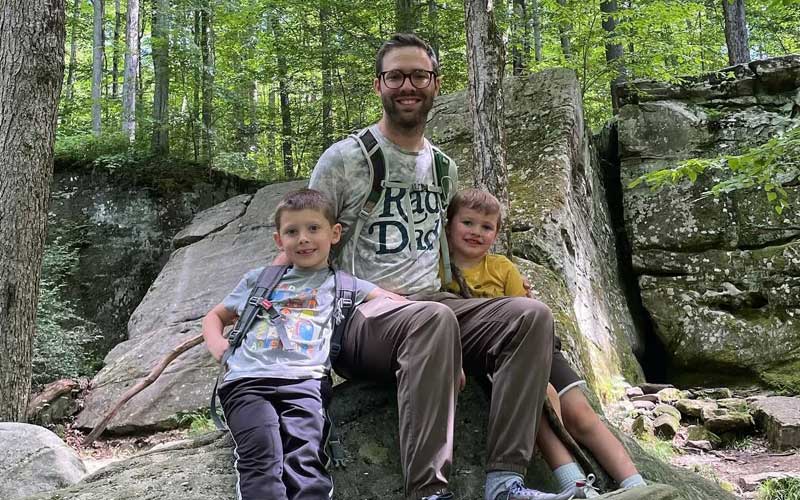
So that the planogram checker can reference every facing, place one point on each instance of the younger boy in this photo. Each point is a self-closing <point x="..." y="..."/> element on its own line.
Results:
<point x="277" y="385"/>
<point x="473" y="220"/>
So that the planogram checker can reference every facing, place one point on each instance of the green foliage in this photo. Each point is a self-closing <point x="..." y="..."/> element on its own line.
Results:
<point x="198" y="422"/>
<point x="769" y="166"/>
<point x="59" y="349"/>
<point x="661" y="450"/>
<point x="780" y="489"/>
<point x="84" y="149"/>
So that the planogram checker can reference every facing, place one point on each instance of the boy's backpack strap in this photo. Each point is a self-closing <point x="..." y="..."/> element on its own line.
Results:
<point x="446" y="182"/>
<point x="377" y="174"/>
<point x="258" y="299"/>
<point x="345" y="303"/>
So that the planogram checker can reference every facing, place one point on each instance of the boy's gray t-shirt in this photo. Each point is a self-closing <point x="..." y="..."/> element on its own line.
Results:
<point x="305" y="299"/>
<point x="384" y="247"/>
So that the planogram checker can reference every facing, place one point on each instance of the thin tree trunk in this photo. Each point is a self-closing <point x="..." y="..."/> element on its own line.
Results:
<point x="327" y="75"/>
<point x="286" y="116"/>
<point x="485" y="65"/>
<point x="736" y="37"/>
<point x="142" y="22"/>
<point x="129" y="84"/>
<point x="160" y="42"/>
<point x="518" y="53"/>
<point x="271" y="115"/>
<point x="207" y="49"/>
<point x="115" y="56"/>
<point x="31" y="74"/>
<point x="536" y="19"/>
<point x="198" y="82"/>
<point x="406" y="16"/>
<point x="97" y="67"/>
<point x="564" y="30"/>
<point x="73" y="47"/>
<point x="433" y="20"/>
<point x="613" y="48"/>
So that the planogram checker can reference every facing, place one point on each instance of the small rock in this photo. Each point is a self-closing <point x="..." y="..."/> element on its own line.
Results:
<point x="669" y="395"/>
<point x="751" y="482"/>
<point x="642" y="426"/>
<point x="373" y="453"/>
<point x="700" y="445"/>
<point x="632" y="392"/>
<point x="648" y="388"/>
<point x="730" y="422"/>
<point x="779" y="416"/>
<point x="646" y="397"/>
<point x="666" y="426"/>
<point x="700" y="433"/>
<point x="734" y="404"/>
<point x="662" y="408"/>
<point x="644" y="405"/>
<point x="715" y="393"/>
<point x="693" y="408"/>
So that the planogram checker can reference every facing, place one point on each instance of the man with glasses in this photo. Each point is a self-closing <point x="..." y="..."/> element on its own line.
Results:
<point x="420" y="343"/>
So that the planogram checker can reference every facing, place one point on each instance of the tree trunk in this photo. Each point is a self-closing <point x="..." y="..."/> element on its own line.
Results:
<point x="129" y="82"/>
<point x="433" y="20"/>
<point x="406" y="16"/>
<point x="286" y="116"/>
<point x="31" y="75"/>
<point x="736" y="32"/>
<point x="97" y="67"/>
<point x="485" y="65"/>
<point x="271" y="115"/>
<point x="613" y="48"/>
<point x="518" y="39"/>
<point x="327" y="75"/>
<point x="115" y="56"/>
<point x="564" y="30"/>
<point x="73" y="47"/>
<point x="536" y="19"/>
<point x="194" y="119"/>
<point x="207" y="50"/>
<point x="160" y="42"/>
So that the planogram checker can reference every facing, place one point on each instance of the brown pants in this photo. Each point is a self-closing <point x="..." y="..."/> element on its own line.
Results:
<point x="420" y="344"/>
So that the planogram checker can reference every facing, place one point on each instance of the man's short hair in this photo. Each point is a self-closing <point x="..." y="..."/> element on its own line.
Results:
<point x="475" y="199"/>
<point x="305" y="199"/>
<point x="399" y="40"/>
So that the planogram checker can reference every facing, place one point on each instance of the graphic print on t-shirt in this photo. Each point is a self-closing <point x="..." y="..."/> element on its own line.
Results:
<point x="391" y="225"/>
<point x="297" y="308"/>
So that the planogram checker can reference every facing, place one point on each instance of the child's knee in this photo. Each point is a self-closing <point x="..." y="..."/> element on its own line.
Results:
<point x="579" y="417"/>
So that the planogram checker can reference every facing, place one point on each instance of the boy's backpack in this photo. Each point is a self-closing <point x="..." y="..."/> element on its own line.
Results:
<point x="258" y="301"/>
<point x="377" y="171"/>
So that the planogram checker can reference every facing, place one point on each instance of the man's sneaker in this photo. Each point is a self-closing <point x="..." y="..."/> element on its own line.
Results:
<point x="518" y="491"/>
<point x="442" y="495"/>
<point x="584" y="488"/>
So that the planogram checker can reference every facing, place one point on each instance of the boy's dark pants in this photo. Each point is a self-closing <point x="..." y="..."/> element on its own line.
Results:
<point x="279" y="428"/>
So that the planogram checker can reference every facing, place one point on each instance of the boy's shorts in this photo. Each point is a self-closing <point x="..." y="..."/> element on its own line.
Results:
<point x="562" y="376"/>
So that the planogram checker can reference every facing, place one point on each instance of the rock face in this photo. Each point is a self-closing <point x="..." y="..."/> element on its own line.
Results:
<point x="203" y="469"/>
<point x="720" y="277"/>
<point x="559" y="213"/>
<point x="34" y="460"/>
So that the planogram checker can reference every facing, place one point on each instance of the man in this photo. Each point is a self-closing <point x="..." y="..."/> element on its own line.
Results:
<point x="420" y="343"/>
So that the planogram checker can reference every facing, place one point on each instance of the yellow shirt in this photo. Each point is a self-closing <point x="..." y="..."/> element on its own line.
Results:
<point x="494" y="276"/>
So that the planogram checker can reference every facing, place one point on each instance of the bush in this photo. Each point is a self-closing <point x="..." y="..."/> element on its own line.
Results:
<point x="780" y="489"/>
<point x="85" y="149"/>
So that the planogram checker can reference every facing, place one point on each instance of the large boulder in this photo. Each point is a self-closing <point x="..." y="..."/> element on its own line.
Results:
<point x="366" y="417"/>
<point x="718" y="275"/>
<point x="779" y="417"/>
<point x="34" y="460"/>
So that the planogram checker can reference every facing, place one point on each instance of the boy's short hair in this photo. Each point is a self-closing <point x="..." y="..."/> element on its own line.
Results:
<point x="399" y="40"/>
<point x="475" y="199"/>
<point x="305" y="199"/>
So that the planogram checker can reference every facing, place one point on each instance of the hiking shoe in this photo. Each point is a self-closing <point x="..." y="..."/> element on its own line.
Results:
<point x="441" y="495"/>
<point x="584" y="488"/>
<point x="517" y="491"/>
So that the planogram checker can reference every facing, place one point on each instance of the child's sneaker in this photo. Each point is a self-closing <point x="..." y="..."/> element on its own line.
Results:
<point x="517" y="491"/>
<point x="442" y="495"/>
<point x="585" y="488"/>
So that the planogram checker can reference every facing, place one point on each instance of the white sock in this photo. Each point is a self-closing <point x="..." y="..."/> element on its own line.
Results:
<point x="567" y="475"/>
<point x="497" y="481"/>
<point x="633" y="481"/>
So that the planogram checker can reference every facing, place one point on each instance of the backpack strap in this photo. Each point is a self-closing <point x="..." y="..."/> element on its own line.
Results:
<point x="257" y="301"/>
<point x="377" y="174"/>
<point x="345" y="303"/>
<point x="446" y="183"/>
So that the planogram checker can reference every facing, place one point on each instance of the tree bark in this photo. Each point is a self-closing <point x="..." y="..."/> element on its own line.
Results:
<point x="485" y="65"/>
<point x="736" y="37"/>
<point x="613" y="48"/>
<point x="536" y="19"/>
<point x="564" y="30"/>
<point x="129" y="81"/>
<point x="115" y="56"/>
<point x="285" y="104"/>
<point x="518" y="37"/>
<point x="207" y="76"/>
<point x="32" y="35"/>
<point x="197" y="78"/>
<point x="406" y="16"/>
<point x="97" y="67"/>
<point x="160" y="31"/>
<point x="327" y="75"/>
<point x="433" y="20"/>
<point x="73" y="48"/>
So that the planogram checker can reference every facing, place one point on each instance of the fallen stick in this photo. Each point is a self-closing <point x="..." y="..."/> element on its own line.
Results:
<point x="141" y="385"/>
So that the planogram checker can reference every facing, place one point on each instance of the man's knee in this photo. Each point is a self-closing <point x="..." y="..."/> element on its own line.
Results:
<point x="433" y="316"/>
<point x="536" y="320"/>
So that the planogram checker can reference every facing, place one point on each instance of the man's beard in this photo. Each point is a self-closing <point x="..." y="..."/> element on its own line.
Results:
<point x="406" y="120"/>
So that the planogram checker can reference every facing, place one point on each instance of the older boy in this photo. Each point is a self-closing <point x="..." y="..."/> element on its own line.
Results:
<point x="277" y="386"/>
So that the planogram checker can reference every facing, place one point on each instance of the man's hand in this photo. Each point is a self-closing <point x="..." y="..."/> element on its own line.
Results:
<point x="380" y="293"/>
<point x="527" y="286"/>
<point x="462" y="380"/>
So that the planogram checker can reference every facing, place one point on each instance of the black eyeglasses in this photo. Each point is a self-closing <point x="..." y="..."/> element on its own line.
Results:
<point x="420" y="78"/>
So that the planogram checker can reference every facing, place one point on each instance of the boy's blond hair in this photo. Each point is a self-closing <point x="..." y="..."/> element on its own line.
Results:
<point x="305" y="199"/>
<point x="475" y="199"/>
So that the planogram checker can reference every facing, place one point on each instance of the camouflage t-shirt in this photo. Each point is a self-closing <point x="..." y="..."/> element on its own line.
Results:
<point x="398" y="246"/>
